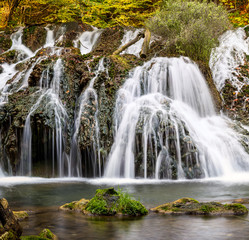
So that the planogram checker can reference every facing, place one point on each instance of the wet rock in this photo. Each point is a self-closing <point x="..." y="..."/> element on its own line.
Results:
<point x="190" y="206"/>
<point x="9" y="57"/>
<point x="5" y="42"/>
<point x="75" y="205"/>
<point x="12" y="228"/>
<point x="109" y="41"/>
<point x="34" y="37"/>
<point x="20" y="215"/>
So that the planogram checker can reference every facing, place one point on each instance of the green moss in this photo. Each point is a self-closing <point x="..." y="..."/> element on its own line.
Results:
<point x="99" y="206"/>
<point x="207" y="208"/>
<point x="46" y="233"/>
<point x="110" y="202"/>
<point x="189" y="206"/>
<point x="236" y="207"/>
<point x="70" y="205"/>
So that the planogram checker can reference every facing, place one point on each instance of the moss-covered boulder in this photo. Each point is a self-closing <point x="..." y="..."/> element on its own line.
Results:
<point x="45" y="234"/>
<point x="108" y="202"/>
<point x="190" y="206"/>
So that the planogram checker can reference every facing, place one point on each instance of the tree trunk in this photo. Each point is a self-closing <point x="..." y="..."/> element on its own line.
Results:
<point x="121" y="49"/>
<point x="8" y="219"/>
<point x="12" y="4"/>
<point x="146" y="44"/>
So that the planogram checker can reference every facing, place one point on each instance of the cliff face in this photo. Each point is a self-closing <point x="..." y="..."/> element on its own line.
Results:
<point x="58" y="91"/>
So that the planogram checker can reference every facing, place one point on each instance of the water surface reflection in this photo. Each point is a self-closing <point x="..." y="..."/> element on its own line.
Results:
<point x="42" y="201"/>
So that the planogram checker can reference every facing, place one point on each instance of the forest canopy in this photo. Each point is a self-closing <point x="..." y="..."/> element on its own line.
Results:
<point x="100" y="13"/>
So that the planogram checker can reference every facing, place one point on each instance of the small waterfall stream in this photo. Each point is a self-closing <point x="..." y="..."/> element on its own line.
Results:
<point x="50" y="97"/>
<point x="231" y="52"/>
<point x="165" y="108"/>
<point x="87" y="97"/>
<point x="135" y="48"/>
<point x="87" y="40"/>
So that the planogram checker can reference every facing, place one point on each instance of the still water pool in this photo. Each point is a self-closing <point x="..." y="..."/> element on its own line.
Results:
<point x="42" y="197"/>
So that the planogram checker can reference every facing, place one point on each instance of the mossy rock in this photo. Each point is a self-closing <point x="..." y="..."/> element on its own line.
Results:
<point x="190" y="206"/>
<point x="9" y="236"/>
<point x="75" y="205"/>
<point x="45" y="234"/>
<point x="108" y="202"/>
<point x="5" y="42"/>
<point x="20" y="215"/>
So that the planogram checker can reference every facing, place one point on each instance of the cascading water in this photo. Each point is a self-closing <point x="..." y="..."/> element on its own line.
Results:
<point x="89" y="96"/>
<point x="24" y="53"/>
<point x="87" y="40"/>
<point x="166" y="126"/>
<point x="50" y="100"/>
<point x="19" y="46"/>
<point x="231" y="52"/>
<point x="135" y="48"/>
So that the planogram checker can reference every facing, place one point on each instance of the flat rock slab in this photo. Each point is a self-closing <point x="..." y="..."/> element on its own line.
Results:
<point x="190" y="206"/>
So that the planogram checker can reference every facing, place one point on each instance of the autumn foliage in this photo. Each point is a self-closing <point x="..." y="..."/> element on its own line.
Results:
<point x="100" y="13"/>
<point x="239" y="11"/>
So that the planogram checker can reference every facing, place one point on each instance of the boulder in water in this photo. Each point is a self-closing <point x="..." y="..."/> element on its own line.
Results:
<point x="190" y="206"/>
<point x="108" y="202"/>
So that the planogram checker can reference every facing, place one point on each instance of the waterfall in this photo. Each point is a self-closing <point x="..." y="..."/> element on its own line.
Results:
<point x="50" y="101"/>
<point x="87" y="97"/>
<point x="18" y="45"/>
<point x="231" y="52"/>
<point x="135" y="48"/>
<point x="166" y="126"/>
<point x="50" y="41"/>
<point x="87" y="40"/>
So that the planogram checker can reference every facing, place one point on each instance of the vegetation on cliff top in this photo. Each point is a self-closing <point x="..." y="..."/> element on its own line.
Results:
<point x="100" y="13"/>
<point x="191" y="28"/>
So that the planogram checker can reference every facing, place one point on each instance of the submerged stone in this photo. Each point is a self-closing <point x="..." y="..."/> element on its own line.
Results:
<point x="108" y="202"/>
<point x="190" y="206"/>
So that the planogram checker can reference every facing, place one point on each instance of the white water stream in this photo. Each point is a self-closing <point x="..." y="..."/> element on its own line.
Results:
<point x="135" y="48"/>
<point x="84" y="100"/>
<point x="225" y="58"/>
<point x="87" y="40"/>
<point x="50" y="101"/>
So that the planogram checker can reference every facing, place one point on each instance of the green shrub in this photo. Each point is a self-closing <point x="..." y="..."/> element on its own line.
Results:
<point x="191" y="28"/>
